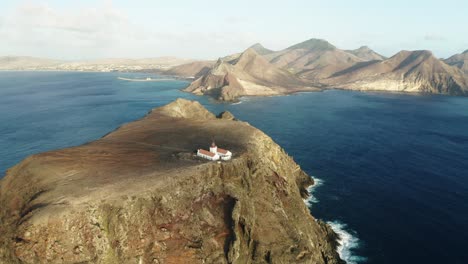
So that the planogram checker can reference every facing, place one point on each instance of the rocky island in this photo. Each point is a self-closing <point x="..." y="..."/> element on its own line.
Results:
<point x="140" y="195"/>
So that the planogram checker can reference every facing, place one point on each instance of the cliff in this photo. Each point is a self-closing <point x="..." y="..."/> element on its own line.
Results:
<point x="248" y="74"/>
<point x="139" y="195"/>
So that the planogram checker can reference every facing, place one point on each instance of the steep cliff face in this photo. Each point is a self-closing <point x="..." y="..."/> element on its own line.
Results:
<point x="139" y="195"/>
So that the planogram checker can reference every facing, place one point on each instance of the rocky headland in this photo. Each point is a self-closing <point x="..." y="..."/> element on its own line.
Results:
<point x="140" y="195"/>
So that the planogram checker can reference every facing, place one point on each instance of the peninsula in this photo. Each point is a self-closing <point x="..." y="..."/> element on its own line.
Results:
<point x="141" y="195"/>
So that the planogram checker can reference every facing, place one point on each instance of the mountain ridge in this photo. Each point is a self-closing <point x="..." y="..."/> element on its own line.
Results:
<point x="320" y="64"/>
<point x="406" y="71"/>
<point x="247" y="74"/>
<point x="460" y="61"/>
<point x="366" y="53"/>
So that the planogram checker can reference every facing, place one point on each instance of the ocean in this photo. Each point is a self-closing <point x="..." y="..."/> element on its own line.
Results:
<point x="392" y="169"/>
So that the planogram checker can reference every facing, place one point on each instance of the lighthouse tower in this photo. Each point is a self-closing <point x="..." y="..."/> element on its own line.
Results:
<point x="213" y="148"/>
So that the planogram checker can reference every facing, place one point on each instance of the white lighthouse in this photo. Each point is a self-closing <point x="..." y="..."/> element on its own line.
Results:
<point x="213" y="148"/>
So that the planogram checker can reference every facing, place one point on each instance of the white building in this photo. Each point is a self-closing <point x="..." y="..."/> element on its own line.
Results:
<point x="215" y="153"/>
<point x="207" y="154"/>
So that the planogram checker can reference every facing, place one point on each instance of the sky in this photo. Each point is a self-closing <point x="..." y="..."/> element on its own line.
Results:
<point x="78" y="30"/>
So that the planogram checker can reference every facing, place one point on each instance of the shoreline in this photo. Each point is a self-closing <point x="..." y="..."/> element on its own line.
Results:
<point x="145" y="80"/>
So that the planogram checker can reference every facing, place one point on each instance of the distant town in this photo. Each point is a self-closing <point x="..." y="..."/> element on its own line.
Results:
<point x="102" y="65"/>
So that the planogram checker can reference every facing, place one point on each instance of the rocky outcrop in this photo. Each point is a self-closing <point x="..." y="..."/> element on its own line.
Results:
<point x="139" y="195"/>
<point x="248" y="74"/>
<point x="226" y="115"/>
<point x="407" y="71"/>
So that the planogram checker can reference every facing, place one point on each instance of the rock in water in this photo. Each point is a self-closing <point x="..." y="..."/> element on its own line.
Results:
<point x="129" y="198"/>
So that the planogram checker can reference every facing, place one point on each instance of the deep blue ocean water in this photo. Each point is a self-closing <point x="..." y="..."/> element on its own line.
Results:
<point x="393" y="168"/>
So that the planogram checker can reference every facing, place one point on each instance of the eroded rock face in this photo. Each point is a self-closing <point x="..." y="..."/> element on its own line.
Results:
<point x="130" y="198"/>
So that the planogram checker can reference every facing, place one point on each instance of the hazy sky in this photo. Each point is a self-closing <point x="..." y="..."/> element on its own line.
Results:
<point x="209" y="29"/>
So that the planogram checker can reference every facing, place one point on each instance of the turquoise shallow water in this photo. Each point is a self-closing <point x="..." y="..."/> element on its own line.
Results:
<point x="393" y="168"/>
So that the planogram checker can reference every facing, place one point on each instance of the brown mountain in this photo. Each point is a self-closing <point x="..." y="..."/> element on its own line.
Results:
<point x="314" y="59"/>
<point x="247" y="74"/>
<point x="407" y="71"/>
<point x="199" y="68"/>
<point x="366" y="54"/>
<point x="460" y="61"/>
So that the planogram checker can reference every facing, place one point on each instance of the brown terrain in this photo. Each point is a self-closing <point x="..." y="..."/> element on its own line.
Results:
<point x="318" y="63"/>
<point x="313" y="59"/>
<point x="140" y="195"/>
<point x="407" y="71"/>
<point x="460" y="61"/>
<point x="247" y="74"/>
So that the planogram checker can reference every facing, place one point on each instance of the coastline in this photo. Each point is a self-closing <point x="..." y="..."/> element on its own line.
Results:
<point x="145" y="80"/>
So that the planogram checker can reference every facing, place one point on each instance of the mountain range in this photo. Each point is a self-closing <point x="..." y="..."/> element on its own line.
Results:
<point x="317" y="64"/>
<point x="311" y="65"/>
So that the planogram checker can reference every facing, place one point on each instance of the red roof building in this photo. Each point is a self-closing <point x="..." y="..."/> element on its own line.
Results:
<point x="222" y="151"/>
<point x="206" y="152"/>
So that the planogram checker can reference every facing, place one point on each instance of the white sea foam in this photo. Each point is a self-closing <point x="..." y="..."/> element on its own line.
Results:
<point x="309" y="201"/>
<point x="236" y="103"/>
<point x="348" y="242"/>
